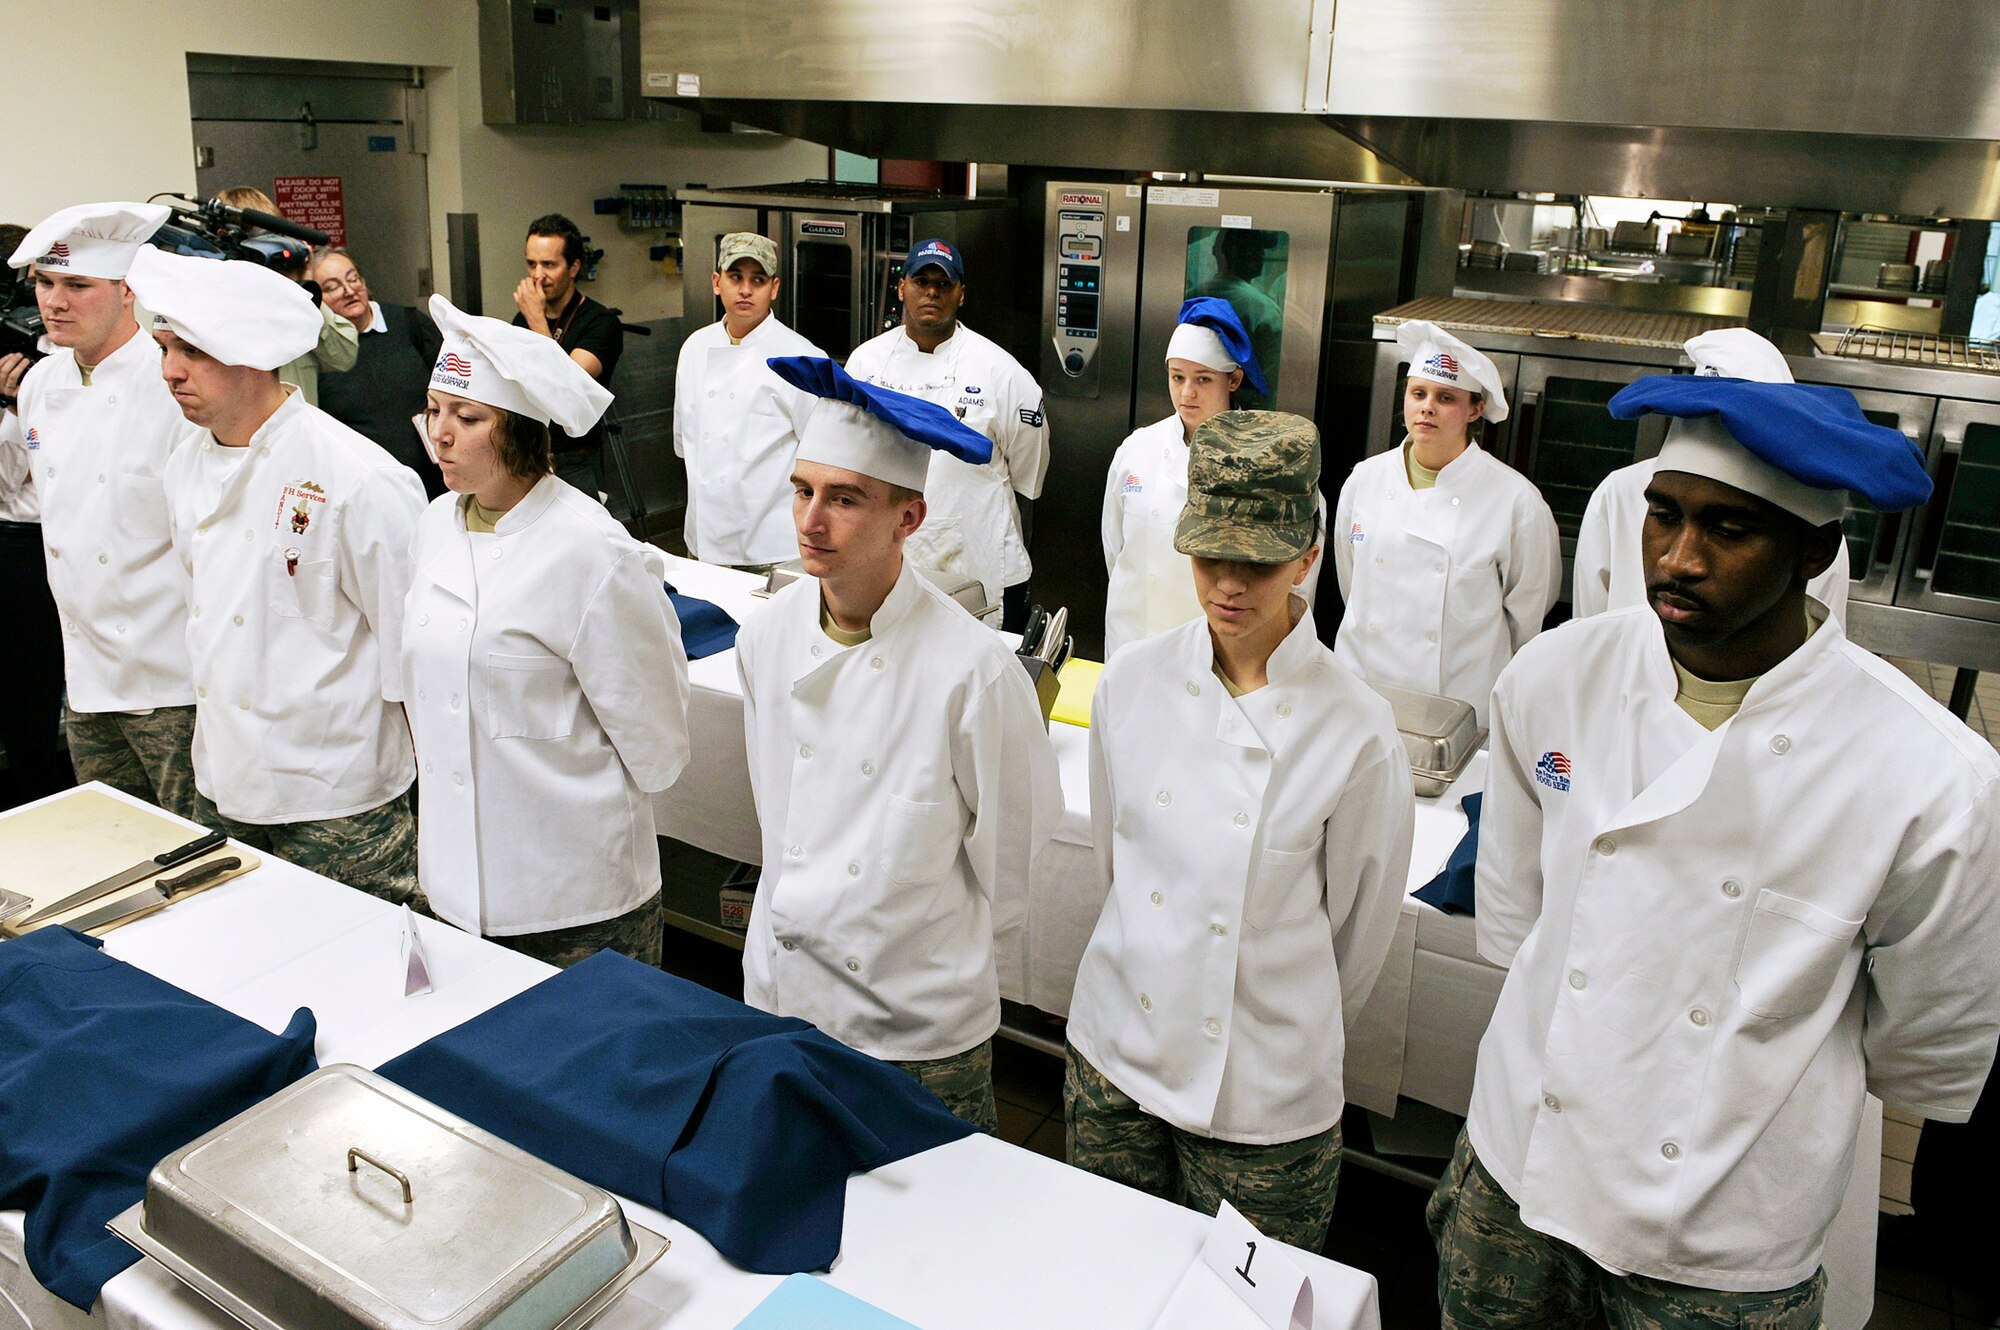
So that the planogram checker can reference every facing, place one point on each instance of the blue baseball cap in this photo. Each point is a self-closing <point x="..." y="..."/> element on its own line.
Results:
<point x="938" y="253"/>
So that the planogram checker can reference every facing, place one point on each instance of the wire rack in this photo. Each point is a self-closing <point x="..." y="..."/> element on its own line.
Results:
<point x="1908" y="348"/>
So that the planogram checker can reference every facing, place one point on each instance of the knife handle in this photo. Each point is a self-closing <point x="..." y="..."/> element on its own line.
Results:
<point x="200" y="845"/>
<point x="194" y="877"/>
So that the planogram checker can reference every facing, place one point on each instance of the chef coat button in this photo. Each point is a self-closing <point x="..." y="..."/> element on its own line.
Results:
<point x="1551" y="1103"/>
<point x="1671" y="1150"/>
<point x="249" y="535"/>
<point x="111" y="400"/>
<point x="1698" y="1016"/>
<point x="1152" y="577"/>
<point x="52" y="472"/>
<point x="1220" y="930"/>
<point x="454" y="701"/>
<point x="1163" y="798"/>
<point x="1454" y="501"/>
<point x="202" y="530"/>
<point x="805" y="752"/>
<point x="458" y="778"/>
<point x="427" y="768"/>
<point x="208" y="445"/>
<point x="239" y="621"/>
<point x="1242" y="819"/>
<point x="1605" y="845"/>
<point x="867" y="768"/>
<point x="461" y="625"/>
<point x="496" y="551"/>
<point x="1158" y="899"/>
<point x="1378" y="558"/>
<point x="423" y="620"/>
<point x="815" y="649"/>
<point x="853" y="965"/>
<point x="1576" y="979"/>
<point x="242" y="704"/>
<point x="1284" y="710"/>
<point x="797" y="851"/>
<point x="790" y="946"/>
<point x="1732" y="888"/>
<point x="1145" y="1003"/>
<point x="121" y="630"/>
<point x="196" y="611"/>
<point x="1212" y="1025"/>
<point x="421" y="694"/>
<point x="1780" y="744"/>
<point x="1194" y="689"/>
<point x="1437" y="568"/>
<point x="100" y="477"/>
<point x="265" y="451"/>
<point x="201" y="692"/>
<point x="854" y="870"/>
<point x="875" y="663"/>
<point x="54" y="553"/>
<point x="711" y="392"/>
<point x="104" y="558"/>
<point x="1431" y="638"/>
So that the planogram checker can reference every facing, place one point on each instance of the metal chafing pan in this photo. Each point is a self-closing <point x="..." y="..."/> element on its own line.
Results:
<point x="345" y="1201"/>
<point x="1440" y="734"/>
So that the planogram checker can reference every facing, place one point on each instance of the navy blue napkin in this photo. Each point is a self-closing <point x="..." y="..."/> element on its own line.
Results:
<point x="1451" y="889"/>
<point x="742" y="1125"/>
<point x="706" y="627"/>
<point x="104" y="1071"/>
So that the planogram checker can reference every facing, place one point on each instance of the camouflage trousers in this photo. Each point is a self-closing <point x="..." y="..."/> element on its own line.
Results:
<point x="1286" y="1189"/>
<point x="965" y="1082"/>
<point x="1496" y="1273"/>
<point x="375" y="851"/>
<point x="636" y="933"/>
<point x="148" y="757"/>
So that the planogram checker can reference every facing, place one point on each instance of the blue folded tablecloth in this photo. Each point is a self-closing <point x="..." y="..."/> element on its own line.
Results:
<point x="706" y="627"/>
<point x="1451" y="889"/>
<point x="742" y="1125"/>
<point x="104" y="1071"/>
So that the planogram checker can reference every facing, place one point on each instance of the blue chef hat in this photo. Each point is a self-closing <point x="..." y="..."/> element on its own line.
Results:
<point x="1801" y="446"/>
<point x="1208" y="325"/>
<point x="875" y="431"/>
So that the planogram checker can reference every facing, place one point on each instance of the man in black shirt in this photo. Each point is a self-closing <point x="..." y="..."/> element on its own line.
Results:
<point x="550" y="304"/>
<point x="384" y="392"/>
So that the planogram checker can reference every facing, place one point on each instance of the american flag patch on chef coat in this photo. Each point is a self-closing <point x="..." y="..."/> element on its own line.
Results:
<point x="1553" y="770"/>
<point x="1355" y="535"/>
<point x="1132" y="485"/>
<point x="34" y="439"/>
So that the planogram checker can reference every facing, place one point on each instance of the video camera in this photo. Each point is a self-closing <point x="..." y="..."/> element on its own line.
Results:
<point x="20" y="316"/>
<point x="211" y="229"/>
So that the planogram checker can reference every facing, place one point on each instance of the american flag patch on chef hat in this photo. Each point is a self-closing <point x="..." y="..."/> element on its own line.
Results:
<point x="1442" y="363"/>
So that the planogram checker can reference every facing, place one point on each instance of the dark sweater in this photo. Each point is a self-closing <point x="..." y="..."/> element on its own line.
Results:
<point x="386" y="387"/>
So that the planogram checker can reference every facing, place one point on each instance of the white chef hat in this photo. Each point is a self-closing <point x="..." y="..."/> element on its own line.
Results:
<point x="875" y="431"/>
<point x="90" y="239"/>
<point x="1438" y="357"/>
<point x="238" y="312"/>
<point x="514" y="369"/>
<point x="1737" y="353"/>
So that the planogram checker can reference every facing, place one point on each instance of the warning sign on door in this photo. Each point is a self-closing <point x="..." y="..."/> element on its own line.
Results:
<point x="312" y="200"/>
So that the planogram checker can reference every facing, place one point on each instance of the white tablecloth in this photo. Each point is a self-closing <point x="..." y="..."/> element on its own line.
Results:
<point x="974" y="1234"/>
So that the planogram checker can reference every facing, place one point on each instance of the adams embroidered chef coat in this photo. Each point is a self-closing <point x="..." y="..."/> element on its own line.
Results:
<point x="1443" y="585"/>
<point x="1609" y="572"/>
<point x="547" y="689"/>
<point x="1718" y="941"/>
<point x="738" y="424"/>
<point x="905" y="788"/>
<point x="973" y="526"/>
<point x="299" y="550"/>
<point x="1152" y="583"/>
<point x="98" y="455"/>
<point x="1257" y="849"/>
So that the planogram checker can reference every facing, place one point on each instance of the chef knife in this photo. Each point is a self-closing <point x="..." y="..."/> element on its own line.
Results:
<point x="159" y="893"/>
<point x="136" y="873"/>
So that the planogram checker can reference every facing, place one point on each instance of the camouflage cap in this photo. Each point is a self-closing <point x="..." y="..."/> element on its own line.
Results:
<point x="747" y="245"/>
<point x="1253" y="483"/>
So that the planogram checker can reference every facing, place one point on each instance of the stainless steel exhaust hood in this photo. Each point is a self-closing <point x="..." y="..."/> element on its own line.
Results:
<point x="1866" y="105"/>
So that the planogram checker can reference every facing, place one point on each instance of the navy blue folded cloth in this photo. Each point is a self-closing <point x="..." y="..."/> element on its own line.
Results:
<point x="1451" y="889"/>
<point x="706" y="627"/>
<point x="104" y="1071"/>
<point x="742" y="1125"/>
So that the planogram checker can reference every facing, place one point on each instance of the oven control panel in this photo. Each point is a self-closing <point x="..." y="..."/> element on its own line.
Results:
<point x="1079" y="277"/>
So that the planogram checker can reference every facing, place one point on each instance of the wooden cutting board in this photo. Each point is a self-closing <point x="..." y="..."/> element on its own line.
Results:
<point x="85" y="836"/>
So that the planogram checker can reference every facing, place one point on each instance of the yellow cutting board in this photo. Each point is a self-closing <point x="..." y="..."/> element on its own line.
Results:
<point x="1079" y="685"/>
<point x="85" y="836"/>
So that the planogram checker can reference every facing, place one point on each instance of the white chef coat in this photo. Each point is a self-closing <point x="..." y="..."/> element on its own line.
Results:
<point x="1257" y="850"/>
<point x="98" y="455"/>
<point x="547" y="689"/>
<point x="973" y="526"/>
<point x="1443" y="585"/>
<point x="905" y="788"/>
<point x="297" y="673"/>
<point x="18" y="502"/>
<point x="738" y="424"/>
<point x="1719" y="940"/>
<point x="1152" y="584"/>
<point x="1609" y="572"/>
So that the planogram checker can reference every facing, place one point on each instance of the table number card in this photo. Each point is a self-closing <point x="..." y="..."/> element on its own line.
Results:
<point x="416" y="970"/>
<point x="1242" y="1280"/>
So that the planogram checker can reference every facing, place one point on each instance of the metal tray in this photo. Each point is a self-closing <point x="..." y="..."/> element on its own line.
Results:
<point x="296" y="1216"/>
<point x="1440" y="735"/>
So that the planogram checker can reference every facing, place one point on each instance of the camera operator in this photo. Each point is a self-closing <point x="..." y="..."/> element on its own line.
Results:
<point x="387" y="386"/>
<point x="550" y="304"/>
<point x="97" y="423"/>
<point x="339" y="343"/>
<point x="31" y="708"/>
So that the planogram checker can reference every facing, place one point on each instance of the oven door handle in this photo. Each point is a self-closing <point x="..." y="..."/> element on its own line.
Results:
<point x="1930" y="535"/>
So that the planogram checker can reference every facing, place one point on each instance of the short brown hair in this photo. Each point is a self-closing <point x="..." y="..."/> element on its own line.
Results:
<point x="523" y="444"/>
<point x="902" y="494"/>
